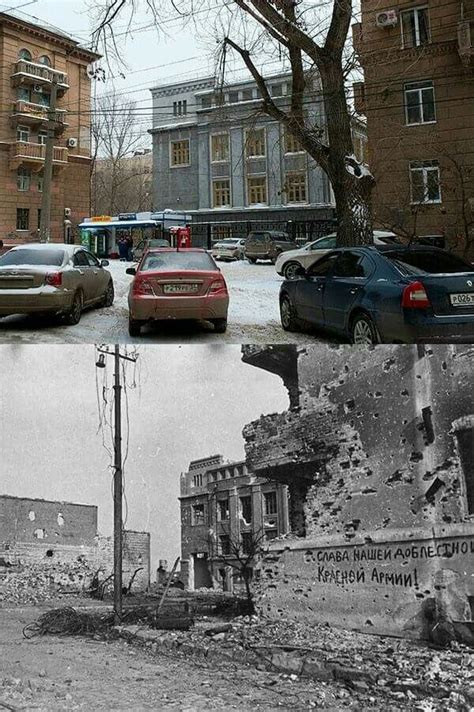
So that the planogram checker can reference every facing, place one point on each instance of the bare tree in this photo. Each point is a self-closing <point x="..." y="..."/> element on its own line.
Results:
<point x="313" y="39"/>
<point x="121" y="181"/>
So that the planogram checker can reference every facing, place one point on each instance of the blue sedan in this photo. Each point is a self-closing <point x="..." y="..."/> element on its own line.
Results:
<point x="389" y="294"/>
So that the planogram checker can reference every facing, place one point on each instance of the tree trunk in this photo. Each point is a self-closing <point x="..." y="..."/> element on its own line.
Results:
<point x="352" y="192"/>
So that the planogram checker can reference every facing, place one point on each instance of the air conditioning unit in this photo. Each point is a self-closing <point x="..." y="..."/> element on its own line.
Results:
<point x="67" y="212"/>
<point x="388" y="18"/>
<point x="38" y="88"/>
<point x="71" y="142"/>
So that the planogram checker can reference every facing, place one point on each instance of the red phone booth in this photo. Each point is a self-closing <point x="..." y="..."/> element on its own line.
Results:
<point x="181" y="237"/>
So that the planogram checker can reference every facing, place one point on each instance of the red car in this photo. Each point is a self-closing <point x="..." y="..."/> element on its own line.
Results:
<point x="177" y="284"/>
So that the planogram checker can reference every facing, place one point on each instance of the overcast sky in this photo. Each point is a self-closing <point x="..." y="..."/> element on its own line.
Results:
<point x="189" y="402"/>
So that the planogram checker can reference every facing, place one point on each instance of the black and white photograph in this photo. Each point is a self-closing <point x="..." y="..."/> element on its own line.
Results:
<point x="237" y="355"/>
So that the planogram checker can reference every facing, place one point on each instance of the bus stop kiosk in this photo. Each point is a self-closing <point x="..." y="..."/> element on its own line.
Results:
<point x="101" y="233"/>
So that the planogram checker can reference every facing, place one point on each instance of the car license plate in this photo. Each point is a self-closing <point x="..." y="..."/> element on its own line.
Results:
<point x="180" y="288"/>
<point x="465" y="299"/>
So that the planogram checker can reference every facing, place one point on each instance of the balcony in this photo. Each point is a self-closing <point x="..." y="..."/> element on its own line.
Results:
<point x="33" y="154"/>
<point x="30" y="114"/>
<point x="25" y="72"/>
<point x="466" y="42"/>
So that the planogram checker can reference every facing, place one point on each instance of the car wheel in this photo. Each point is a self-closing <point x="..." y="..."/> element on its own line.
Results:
<point x="252" y="260"/>
<point x="220" y="325"/>
<point x="73" y="316"/>
<point x="134" y="327"/>
<point x="363" y="331"/>
<point x="290" y="270"/>
<point x="108" y="298"/>
<point x="287" y="315"/>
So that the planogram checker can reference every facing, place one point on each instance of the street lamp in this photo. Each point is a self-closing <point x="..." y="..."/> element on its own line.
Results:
<point x="118" y="485"/>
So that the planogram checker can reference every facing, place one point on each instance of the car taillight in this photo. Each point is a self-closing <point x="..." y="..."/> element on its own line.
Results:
<point x="142" y="286"/>
<point x="415" y="296"/>
<point x="54" y="279"/>
<point x="218" y="287"/>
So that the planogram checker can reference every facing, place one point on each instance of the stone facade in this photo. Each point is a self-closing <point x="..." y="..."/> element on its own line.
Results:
<point x="419" y="101"/>
<point x="212" y="181"/>
<point x="30" y="56"/>
<point x="222" y="503"/>
<point x="377" y="452"/>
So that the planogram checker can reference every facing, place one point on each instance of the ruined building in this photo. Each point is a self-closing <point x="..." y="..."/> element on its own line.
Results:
<point x="377" y="451"/>
<point x="225" y="510"/>
<point x="50" y="546"/>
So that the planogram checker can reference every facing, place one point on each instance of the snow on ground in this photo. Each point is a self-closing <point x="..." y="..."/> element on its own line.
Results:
<point x="253" y="315"/>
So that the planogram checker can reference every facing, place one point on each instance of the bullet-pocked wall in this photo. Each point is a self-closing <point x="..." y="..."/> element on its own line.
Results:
<point x="378" y="455"/>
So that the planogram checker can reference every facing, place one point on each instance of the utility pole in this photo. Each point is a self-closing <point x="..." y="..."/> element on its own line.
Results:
<point x="45" y="220"/>
<point x="118" y="475"/>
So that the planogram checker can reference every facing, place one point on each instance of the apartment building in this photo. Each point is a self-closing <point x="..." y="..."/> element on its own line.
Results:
<point x="217" y="156"/>
<point x="31" y="57"/>
<point x="418" y="97"/>
<point x="225" y="510"/>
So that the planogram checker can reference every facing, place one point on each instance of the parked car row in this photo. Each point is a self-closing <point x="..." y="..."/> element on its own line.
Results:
<point x="258" y="245"/>
<point x="387" y="292"/>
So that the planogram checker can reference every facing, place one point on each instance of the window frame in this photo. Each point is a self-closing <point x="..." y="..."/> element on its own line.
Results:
<point x="218" y="134"/>
<point x="26" y="215"/>
<point x="416" y="9"/>
<point x="172" y="143"/>
<point x="199" y="523"/>
<point x="257" y="177"/>
<point x="419" y="90"/>
<point x="302" y="174"/>
<point x="248" y="132"/>
<point x="23" y="178"/>
<point x="425" y="170"/>
<point x="272" y="497"/>
<point x="25" y="59"/>
<point x="288" y="138"/>
<point x="213" y="184"/>
<point x="23" y="129"/>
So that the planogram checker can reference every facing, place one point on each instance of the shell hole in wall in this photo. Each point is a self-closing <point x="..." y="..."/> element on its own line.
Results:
<point x="31" y="515"/>
<point x="39" y="533"/>
<point x="60" y="520"/>
<point x="50" y="553"/>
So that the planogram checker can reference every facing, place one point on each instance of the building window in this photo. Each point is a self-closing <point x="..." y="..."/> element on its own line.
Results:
<point x="270" y="502"/>
<point x="224" y="544"/>
<point x="40" y="183"/>
<point x="197" y="514"/>
<point x="197" y="481"/>
<point x="415" y="27"/>
<point x="257" y="190"/>
<point x="44" y="59"/>
<point x="247" y="543"/>
<point x="296" y="187"/>
<point x="220" y="232"/>
<point x="219" y="147"/>
<point x="246" y="509"/>
<point x="23" y="178"/>
<point x="22" y="219"/>
<point x="292" y="145"/>
<point x="360" y="147"/>
<point x="420" y="103"/>
<point x="42" y="136"/>
<point x="206" y="102"/>
<point x="270" y="534"/>
<point x="247" y="94"/>
<point x="39" y="214"/>
<point x="277" y="90"/>
<point x="465" y="440"/>
<point x="222" y="509"/>
<point x="23" y="133"/>
<point x="233" y="97"/>
<point x="25" y="54"/>
<point x="179" y="153"/>
<point x="221" y="193"/>
<point x="180" y="108"/>
<point x="24" y="94"/>
<point x="255" y="143"/>
<point x="43" y="99"/>
<point x="425" y="182"/>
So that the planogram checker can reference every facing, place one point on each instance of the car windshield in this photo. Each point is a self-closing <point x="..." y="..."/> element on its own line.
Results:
<point x="182" y="260"/>
<point x="430" y="262"/>
<point x="324" y="243"/>
<point x="25" y="256"/>
<point x="158" y="243"/>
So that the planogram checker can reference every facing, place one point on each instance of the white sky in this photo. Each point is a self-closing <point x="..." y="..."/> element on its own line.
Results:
<point x="190" y="402"/>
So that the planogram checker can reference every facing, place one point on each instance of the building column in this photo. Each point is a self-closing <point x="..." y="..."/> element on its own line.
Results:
<point x="282" y="504"/>
<point x="257" y="513"/>
<point x="234" y="524"/>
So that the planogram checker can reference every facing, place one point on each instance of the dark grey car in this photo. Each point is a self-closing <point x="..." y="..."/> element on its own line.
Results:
<point x="267" y="245"/>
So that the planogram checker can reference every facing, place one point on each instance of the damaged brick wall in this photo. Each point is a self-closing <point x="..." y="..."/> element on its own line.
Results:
<point x="373" y="437"/>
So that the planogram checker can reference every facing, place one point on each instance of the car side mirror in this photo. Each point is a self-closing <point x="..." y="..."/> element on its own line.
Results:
<point x="104" y="263"/>
<point x="131" y="270"/>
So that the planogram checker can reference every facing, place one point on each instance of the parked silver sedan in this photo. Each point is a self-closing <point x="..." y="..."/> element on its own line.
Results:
<point x="53" y="278"/>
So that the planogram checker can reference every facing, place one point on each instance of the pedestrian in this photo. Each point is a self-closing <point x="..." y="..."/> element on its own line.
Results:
<point x="129" y="248"/>
<point x="122" y="243"/>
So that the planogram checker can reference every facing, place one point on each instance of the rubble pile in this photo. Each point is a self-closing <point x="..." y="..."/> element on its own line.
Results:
<point x="372" y="670"/>
<point x="36" y="583"/>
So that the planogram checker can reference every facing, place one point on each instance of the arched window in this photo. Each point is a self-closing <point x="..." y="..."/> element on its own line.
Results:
<point x="44" y="59"/>
<point x="24" y="54"/>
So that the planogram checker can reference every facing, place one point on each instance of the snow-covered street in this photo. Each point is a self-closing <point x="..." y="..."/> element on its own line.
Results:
<point x="253" y="315"/>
